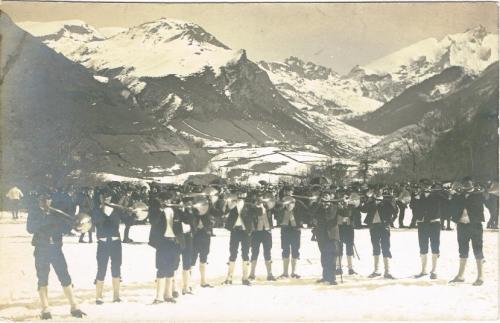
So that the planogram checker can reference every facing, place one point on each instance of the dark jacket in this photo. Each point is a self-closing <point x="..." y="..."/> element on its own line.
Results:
<point x="46" y="228"/>
<point x="473" y="203"/>
<point x="299" y="213"/>
<point x="208" y="219"/>
<point x="247" y="214"/>
<point x="416" y="204"/>
<point x="258" y="212"/>
<point x="431" y="207"/>
<point x="325" y="222"/>
<point x="106" y="226"/>
<point x="159" y="226"/>
<point x="385" y="211"/>
<point x="346" y="215"/>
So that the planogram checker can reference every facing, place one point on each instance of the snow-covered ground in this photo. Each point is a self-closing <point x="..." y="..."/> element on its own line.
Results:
<point x="357" y="298"/>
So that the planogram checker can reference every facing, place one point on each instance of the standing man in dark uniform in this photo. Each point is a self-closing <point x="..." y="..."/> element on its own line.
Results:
<point x="469" y="218"/>
<point x="291" y="223"/>
<point x="263" y="224"/>
<point x="109" y="246"/>
<point x="188" y="216"/>
<point x="379" y="216"/>
<point x="48" y="230"/>
<point x="202" y="233"/>
<point x="167" y="238"/>
<point x="327" y="235"/>
<point x="429" y="228"/>
<point x="346" y="232"/>
<point x="240" y="224"/>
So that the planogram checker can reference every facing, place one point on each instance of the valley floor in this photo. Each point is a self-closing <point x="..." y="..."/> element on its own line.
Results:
<point x="357" y="298"/>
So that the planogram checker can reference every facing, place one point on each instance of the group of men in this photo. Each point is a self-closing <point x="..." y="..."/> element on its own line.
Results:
<point x="182" y="221"/>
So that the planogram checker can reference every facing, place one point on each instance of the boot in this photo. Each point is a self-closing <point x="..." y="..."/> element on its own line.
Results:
<point x="160" y="290"/>
<point x="203" y="273"/>
<point x="435" y="257"/>
<point x="186" y="289"/>
<point x="75" y="311"/>
<point x="168" y="295"/>
<point x="479" y="281"/>
<point x="387" y="273"/>
<point x="286" y="262"/>
<point x="252" y="270"/>
<point x="99" y="287"/>
<point x="175" y="293"/>
<point x="116" y="290"/>
<point x="269" y="269"/>
<point x="244" y="277"/>
<point x="376" y="263"/>
<point x="230" y="271"/>
<point x="459" y="278"/>
<point x="423" y="271"/>
<point x="44" y="300"/>
<point x="349" y="265"/>
<point x="294" y="267"/>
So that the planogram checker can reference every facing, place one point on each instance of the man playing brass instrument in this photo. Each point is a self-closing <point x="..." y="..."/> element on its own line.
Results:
<point x="48" y="230"/>
<point x="346" y="230"/>
<point x="327" y="234"/>
<point x="429" y="228"/>
<point x="290" y="222"/>
<point x="263" y="224"/>
<point x="240" y="224"/>
<point x="166" y="237"/>
<point x="379" y="211"/>
<point x="469" y="216"/>
<point x="109" y="246"/>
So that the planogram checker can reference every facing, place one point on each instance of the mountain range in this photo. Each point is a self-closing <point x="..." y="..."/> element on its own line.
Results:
<point x="184" y="90"/>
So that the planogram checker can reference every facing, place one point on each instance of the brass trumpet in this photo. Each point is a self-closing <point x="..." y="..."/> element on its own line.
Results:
<point x="139" y="209"/>
<point x="82" y="222"/>
<point x="201" y="206"/>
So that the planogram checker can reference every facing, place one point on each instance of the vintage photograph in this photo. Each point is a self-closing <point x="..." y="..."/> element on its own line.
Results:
<point x="175" y="162"/>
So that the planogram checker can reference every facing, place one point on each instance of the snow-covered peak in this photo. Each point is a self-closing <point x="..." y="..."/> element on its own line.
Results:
<point x="313" y="87"/>
<point x="63" y="36"/>
<point x="166" y="30"/>
<point x="474" y="49"/>
<point x="387" y="77"/>
<point x="62" y="28"/>
<point x="309" y="69"/>
<point x="160" y="48"/>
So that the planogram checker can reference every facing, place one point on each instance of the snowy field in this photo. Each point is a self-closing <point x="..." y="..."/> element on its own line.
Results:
<point x="357" y="298"/>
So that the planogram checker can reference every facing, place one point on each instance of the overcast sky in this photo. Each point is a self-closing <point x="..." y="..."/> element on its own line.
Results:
<point x="337" y="35"/>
